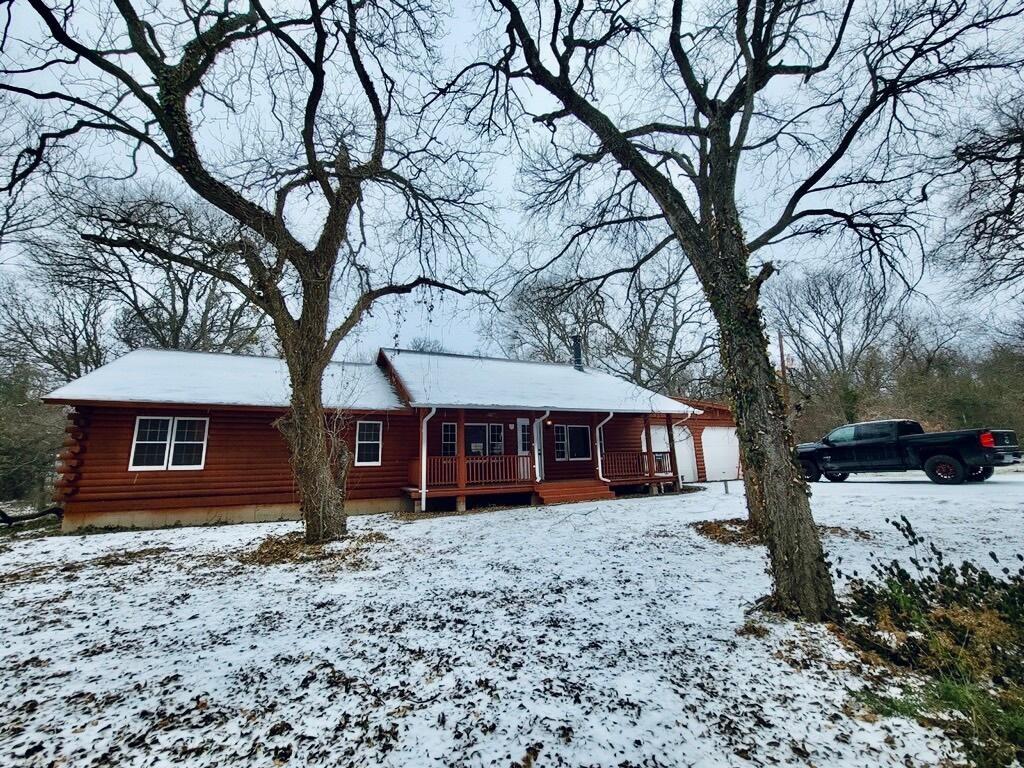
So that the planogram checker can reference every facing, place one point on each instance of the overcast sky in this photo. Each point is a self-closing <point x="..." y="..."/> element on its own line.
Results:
<point x="454" y="322"/>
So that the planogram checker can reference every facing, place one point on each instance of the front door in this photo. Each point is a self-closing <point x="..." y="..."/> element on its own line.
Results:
<point x="524" y="447"/>
<point x="476" y="439"/>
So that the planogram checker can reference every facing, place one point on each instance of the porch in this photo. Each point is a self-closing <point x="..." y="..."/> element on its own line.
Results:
<point x="567" y="456"/>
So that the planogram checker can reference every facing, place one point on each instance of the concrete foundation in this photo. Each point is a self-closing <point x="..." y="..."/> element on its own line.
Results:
<point x="250" y="513"/>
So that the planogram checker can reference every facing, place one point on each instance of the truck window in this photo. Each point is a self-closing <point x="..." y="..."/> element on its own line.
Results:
<point x="877" y="431"/>
<point x="841" y="435"/>
<point x="907" y="428"/>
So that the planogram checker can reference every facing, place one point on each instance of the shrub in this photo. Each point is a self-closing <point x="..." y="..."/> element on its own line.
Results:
<point x="962" y="627"/>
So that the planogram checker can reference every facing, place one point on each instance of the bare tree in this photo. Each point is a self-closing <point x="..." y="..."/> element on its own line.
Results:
<point x="836" y="322"/>
<point x="654" y="110"/>
<point x="658" y="336"/>
<point x="347" y="193"/>
<point x="60" y="333"/>
<point x="650" y="329"/>
<point x="116" y="245"/>
<point x="987" y="178"/>
<point x="537" y="323"/>
<point x="426" y="344"/>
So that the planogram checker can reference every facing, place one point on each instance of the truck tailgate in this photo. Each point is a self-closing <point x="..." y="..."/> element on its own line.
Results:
<point x="1005" y="438"/>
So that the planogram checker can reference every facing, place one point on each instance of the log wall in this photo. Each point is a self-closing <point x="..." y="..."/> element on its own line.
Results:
<point x="246" y="462"/>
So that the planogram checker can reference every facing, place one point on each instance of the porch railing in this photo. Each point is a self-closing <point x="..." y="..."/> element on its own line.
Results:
<point x="443" y="471"/>
<point x="623" y="464"/>
<point x="499" y="470"/>
<point x="662" y="463"/>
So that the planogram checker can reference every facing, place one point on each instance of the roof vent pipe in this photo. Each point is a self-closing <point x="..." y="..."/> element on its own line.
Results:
<point x="577" y="353"/>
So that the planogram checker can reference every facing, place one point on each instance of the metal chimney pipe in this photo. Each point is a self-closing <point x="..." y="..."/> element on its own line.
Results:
<point x="577" y="353"/>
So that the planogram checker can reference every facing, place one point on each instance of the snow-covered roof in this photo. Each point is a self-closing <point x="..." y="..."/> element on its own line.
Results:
<point x="202" y="378"/>
<point x="462" y="381"/>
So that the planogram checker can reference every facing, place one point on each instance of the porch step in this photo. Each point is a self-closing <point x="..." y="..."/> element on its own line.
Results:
<point x="564" y="491"/>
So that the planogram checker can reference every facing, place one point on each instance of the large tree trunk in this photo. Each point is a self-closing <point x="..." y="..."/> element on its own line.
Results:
<point x="777" y="497"/>
<point x="319" y="478"/>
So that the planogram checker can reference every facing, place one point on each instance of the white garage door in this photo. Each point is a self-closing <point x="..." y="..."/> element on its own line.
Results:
<point x="686" y="456"/>
<point x="721" y="453"/>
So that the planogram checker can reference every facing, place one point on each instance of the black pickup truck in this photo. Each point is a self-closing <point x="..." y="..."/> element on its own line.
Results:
<point x="901" y="444"/>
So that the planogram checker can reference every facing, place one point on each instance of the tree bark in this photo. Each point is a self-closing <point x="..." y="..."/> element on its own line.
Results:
<point x="777" y="497"/>
<point x="319" y="477"/>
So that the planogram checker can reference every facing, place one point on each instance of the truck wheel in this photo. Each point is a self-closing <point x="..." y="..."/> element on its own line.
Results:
<point x="945" y="470"/>
<point x="811" y="472"/>
<point x="836" y="477"/>
<point x="980" y="474"/>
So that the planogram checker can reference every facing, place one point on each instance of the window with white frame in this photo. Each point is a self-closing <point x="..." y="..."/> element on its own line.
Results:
<point x="572" y="442"/>
<point x="525" y="436"/>
<point x="448" y="445"/>
<point x="368" y="443"/>
<point x="166" y="442"/>
<point x="496" y="438"/>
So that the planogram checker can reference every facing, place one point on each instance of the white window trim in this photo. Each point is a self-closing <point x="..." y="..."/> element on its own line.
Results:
<point x="379" y="442"/>
<point x="490" y="442"/>
<point x="206" y="439"/>
<point x="590" y="447"/>
<point x="523" y="447"/>
<point x="455" y="444"/>
<point x="168" y="444"/>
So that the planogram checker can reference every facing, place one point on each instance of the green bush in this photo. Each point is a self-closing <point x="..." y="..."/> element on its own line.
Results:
<point x="962" y="628"/>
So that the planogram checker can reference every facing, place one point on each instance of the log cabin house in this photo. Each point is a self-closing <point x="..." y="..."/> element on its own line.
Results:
<point x="161" y="437"/>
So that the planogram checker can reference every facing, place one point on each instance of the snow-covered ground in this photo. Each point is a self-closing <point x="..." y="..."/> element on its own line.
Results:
<point x="597" y="634"/>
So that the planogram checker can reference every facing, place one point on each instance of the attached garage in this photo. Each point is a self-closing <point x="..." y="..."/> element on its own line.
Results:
<point x="710" y="437"/>
<point x="721" y="453"/>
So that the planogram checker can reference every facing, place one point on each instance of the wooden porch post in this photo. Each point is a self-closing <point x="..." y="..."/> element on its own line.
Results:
<point x="460" y="447"/>
<point x="650" y="446"/>
<point x="460" y="458"/>
<point x="672" y="452"/>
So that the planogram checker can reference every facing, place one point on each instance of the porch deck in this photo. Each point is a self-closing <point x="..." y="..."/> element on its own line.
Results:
<point x="455" y="476"/>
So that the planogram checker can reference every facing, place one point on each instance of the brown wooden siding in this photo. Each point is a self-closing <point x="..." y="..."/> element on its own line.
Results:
<point x="475" y="417"/>
<point x="246" y="463"/>
<point x="568" y="470"/>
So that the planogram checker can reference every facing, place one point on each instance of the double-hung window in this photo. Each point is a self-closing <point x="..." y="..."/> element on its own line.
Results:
<point x="572" y="442"/>
<point x="496" y="438"/>
<point x="166" y="442"/>
<point x="448" y="445"/>
<point x="369" y="438"/>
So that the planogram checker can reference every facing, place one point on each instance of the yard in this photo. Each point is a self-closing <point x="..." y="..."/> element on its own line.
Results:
<point x="602" y="633"/>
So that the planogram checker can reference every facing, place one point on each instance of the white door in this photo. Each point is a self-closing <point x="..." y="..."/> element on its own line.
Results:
<point x="524" y="447"/>
<point x="721" y="453"/>
<point x="686" y="455"/>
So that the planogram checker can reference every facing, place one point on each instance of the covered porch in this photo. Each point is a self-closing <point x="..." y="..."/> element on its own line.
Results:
<point x="552" y="456"/>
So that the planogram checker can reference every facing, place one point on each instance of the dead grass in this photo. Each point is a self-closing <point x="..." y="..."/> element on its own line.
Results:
<point x="69" y="571"/>
<point x="752" y="628"/>
<point x="291" y="548"/>
<point x="737" y="531"/>
<point x="733" y="531"/>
